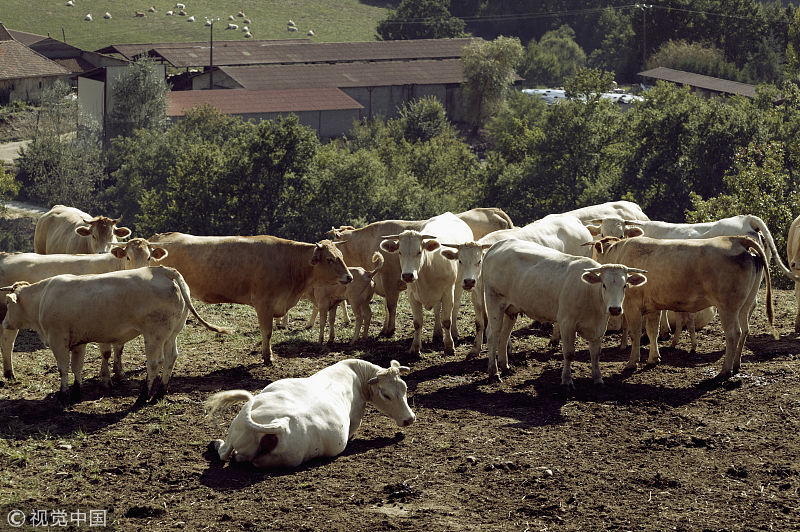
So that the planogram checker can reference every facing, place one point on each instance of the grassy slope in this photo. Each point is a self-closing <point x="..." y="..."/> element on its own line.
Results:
<point x="331" y="20"/>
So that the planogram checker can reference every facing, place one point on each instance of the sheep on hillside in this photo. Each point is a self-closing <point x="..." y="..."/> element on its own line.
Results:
<point x="180" y="6"/>
<point x="190" y="19"/>
<point x="70" y="3"/>
<point x="170" y="12"/>
<point x="291" y="28"/>
<point x="233" y="26"/>
<point x="88" y="17"/>
<point x="310" y="33"/>
<point x="107" y="15"/>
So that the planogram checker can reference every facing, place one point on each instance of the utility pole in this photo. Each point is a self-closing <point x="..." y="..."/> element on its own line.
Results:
<point x="644" y="8"/>
<point x="210" y="23"/>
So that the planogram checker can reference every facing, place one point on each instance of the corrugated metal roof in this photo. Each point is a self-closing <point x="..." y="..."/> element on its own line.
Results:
<point x="239" y="101"/>
<point x="348" y="74"/>
<point x="18" y="61"/>
<point x="701" y="81"/>
<point x="131" y="51"/>
<point x="272" y="52"/>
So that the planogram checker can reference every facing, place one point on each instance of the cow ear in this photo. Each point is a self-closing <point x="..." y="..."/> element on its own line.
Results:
<point x="598" y="247"/>
<point x="118" y="252"/>
<point x="594" y="229"/>
<point x="158" y="253"/>
<point x="84" y="230"/>
<point x="316" y="258"/>
<point x="631" y="232"/>
<point x="431" y="245"/>
<point x="390" y="246"/>
<point x="591" y="278"/>
<point x="122" y="232"/>
<point x="450" y="254"/>
<point x="636" y="279"/>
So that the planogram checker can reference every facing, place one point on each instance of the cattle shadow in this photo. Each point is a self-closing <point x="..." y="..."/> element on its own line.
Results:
<point x="239" y="377"/>
<point x="28" y="341"/>
<point x="50" y="419"/>
<point x="234" y="476"/>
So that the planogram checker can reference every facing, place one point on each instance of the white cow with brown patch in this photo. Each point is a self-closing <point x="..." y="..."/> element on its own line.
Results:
<point x="292" y="421"/>
<point x="65" y="229"/>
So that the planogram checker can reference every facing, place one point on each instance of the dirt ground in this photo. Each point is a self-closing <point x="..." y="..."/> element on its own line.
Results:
<point x="655" y="449"/>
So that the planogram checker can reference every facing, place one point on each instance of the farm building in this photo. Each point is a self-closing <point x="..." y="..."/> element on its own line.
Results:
<point x="328" y="111"/>
<point x="24" y="73"/>
<point x="703" y="85"/>
<point x="380" y="76"/>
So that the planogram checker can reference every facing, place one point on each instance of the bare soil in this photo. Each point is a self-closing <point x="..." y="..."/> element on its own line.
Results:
<point x="660" y="448"/>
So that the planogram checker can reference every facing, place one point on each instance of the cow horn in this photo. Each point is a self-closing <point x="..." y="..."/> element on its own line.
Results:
<point x="449" y="245"/>
<point x="636" y="270"/>
<point x="337" y="242"/>
<point x="390" y="237"/>
<point x="118" y="220"/>
<point x="429" y="237"/>
<point x="633" y="222"/>
<point x="596" y="221"/>
<point x="7" y="289"/>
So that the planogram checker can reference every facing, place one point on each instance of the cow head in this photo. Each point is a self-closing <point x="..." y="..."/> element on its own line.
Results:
<point x="410" y="246"/>
<point x="614" y="226"/>
<point x="329" y="264"/>
<point x="602" y="246"/>
<point x="469" y="256"/>
<point x="613" y="280"/>
<point x="102" y="233"/>
<point x="387" y="392"/>
<point x="138" y="253"/>
<point x="15" y="317"/>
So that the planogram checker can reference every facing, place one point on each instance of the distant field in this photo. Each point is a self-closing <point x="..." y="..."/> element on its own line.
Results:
<point x="331" y="20"/>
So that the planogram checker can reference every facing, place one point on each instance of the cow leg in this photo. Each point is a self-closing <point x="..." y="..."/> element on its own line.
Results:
<point x="595" y="348"/>
<point x="62" y="354"/>
<point x="390" y="314"/>
<point x="457" y="291"/>
<point x="223" y="449"/>
<point x="367" y="317"/>
<point x="568" y="350"/>
<point x="678" y="328"/>
<point x="154" y="354"/>
<point x="359" y="321"/>
<point x="448" y="323"/>
<point x="744" y="314"/>
<point x="105" y="373"/>
<point x="733" y="332"/>
<point x="265" y="316"/>
<point x="170" y="348"/>
<point x="119" y="373"/>
<point x="323" y="319"/>
<point x="7" y="337"/>
<point x="416" y="312"/>
<point x="505" y="334"/>
<point x="313" y="318"/>
<point x="651" y="323"/>
<point x="556" y="335"/>
<point x="797" y="303"/>
<point x="332" y="322"/>
<point x="480" y="320"/>
<point x="438" y="336"/>
<point x="691" y="325"/>
<point x="346" y="313"/>
<point x="623" y="333"/>
<point x="494" y="324"/>
<point x="634" y="329"/>
<point x="78" y="354"/>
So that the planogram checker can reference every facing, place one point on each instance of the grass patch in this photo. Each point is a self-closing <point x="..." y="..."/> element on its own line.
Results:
<point x="331" y="20"/>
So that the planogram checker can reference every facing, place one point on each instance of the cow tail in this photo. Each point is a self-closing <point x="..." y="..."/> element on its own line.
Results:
<point x="222" y="399"/>
<point x="758" y="225"/>
<point x="377" y="260"/>
<point x="184" y="288"/>
<point x="749" y="243"/>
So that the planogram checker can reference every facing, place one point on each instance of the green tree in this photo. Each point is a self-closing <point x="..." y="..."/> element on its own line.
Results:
<point x="140" y="99"/>
<point x="588" y="83"/>
<point x="420" y="19"/>
<point x="555" y="57"/>
<point x="60" y="164"/>
<point x="423" y="119"/>
<point x="695" y="57"/>
<point x="8" y="187"/>
<point x="489" y="69"/>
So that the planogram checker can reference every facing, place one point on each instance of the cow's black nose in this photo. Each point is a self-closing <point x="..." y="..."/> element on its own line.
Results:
<point x="408" y="277"/>
<point x="469" y="284"/>
<point x="615" y="311"/>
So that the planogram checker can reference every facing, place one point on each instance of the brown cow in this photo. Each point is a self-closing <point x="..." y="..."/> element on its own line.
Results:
<point x="265" y="272"/>
<point x="69" y="230"/>
<point x="688" y="276"/>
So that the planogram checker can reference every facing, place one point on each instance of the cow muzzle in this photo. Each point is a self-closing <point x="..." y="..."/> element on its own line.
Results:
<point x="347" y="279"/>
<point x="469" y="284"/>
<point x="615" y="311"/>
<point x="409" y="421"/>
<point x="408" y="277"/>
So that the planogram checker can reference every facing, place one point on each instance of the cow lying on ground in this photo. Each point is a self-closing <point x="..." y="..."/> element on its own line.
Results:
<point x="549" y="286"/>
<point x="69" y="230"/>
<point x="33" y="267"/>
<point x="358" y="293"/>
<point x="292" y="421"/>
<point x="268" y="273"/>
<point x="688" y="276"/>
<point x="69" y="311"/>
<point x="431" y="277"/>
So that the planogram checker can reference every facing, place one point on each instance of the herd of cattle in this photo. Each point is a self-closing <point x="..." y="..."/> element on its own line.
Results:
<point x="589" y="270"/>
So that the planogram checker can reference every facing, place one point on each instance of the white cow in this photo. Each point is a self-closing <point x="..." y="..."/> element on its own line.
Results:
<point x="793" y="255"/>
<point x="69" y="311"/>
<point x="33" y="267"/>
<point x="560" y="232"/>
<point x="431" y="278"/>
<point x="69" y="230"/>
<point x="292" y="421"/>
<point x="550" y="286"/>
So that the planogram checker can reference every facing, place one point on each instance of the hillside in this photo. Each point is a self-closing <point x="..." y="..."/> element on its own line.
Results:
<point x="331" y="20"/>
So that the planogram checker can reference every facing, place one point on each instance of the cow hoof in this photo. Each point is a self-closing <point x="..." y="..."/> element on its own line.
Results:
<point x="387" y="333"/>
<point x="268" y="361"/>
<point x="495" y="379"/>
<point x="75" y="394"/>
<point x="119" y="378"/>
<point x="568" y="389"/>
<point x="599" y="385"/>
<point x="449" y="351"/>
<point x="630" y="366"/>
<point x="471" y="355"/>
<point x="9" y="375"/>
<point x="62" y="398"/>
